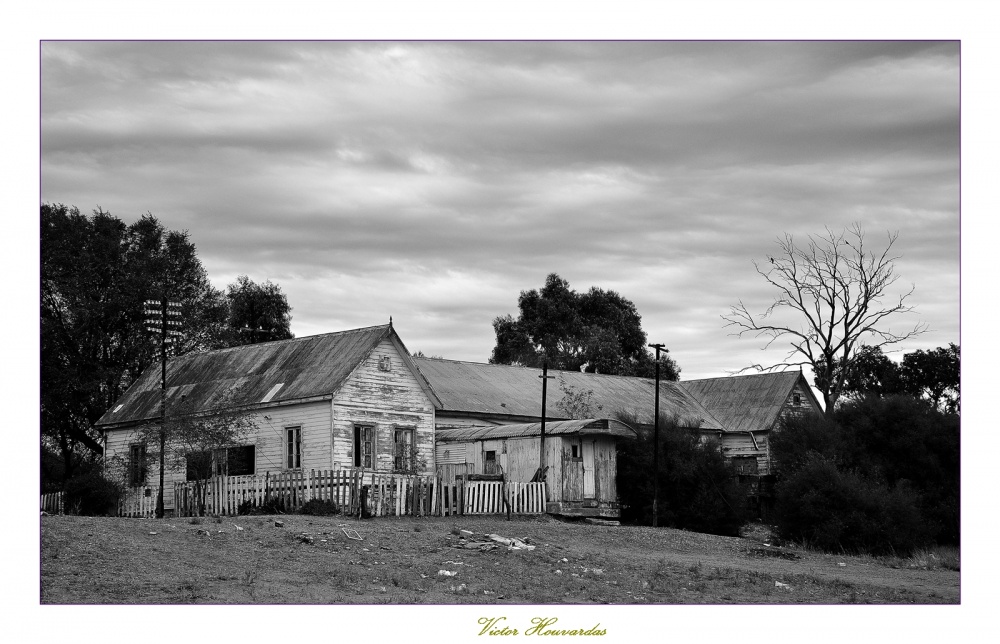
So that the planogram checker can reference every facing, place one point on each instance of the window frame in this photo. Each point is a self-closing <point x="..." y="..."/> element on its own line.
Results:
<point x="293" y="447"/>
<point x="138" y="472"/>
<point x="358" y="453"/>
<point x="406" y="463"/>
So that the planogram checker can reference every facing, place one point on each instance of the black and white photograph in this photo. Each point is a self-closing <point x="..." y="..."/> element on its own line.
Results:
<point x="522" y="327"/>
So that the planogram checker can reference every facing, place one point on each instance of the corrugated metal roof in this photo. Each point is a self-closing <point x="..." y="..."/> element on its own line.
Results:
<point x="475" y="387"/>
<point x="745" y="403"/>
<point x="590" y="426"/>
<point x="308" y="367"/>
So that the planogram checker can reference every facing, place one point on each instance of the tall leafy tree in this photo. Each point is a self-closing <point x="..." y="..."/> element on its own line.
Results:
<point x="935" y="374"/>
<point x="872" y="373"/>
<point x="258" y="312"/>
<point x="96" y="271"/>
<point x="597" y="331"/>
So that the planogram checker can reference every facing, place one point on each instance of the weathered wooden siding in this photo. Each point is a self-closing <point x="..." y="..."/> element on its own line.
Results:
<point x="603" y="469"/>
<point x="314" y="420"/>
<point x="740" y="444"/>
<point x="606" y="461"/>
<point x="116" y="454"/>
<point x="385" y="400"/>
<point x="269" y="441"/>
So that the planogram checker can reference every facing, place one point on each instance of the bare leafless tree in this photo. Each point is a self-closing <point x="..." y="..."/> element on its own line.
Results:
<point x="833" y="298"/>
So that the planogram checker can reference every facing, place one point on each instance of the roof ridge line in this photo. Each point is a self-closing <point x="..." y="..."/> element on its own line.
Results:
<point x="288" y="340"/>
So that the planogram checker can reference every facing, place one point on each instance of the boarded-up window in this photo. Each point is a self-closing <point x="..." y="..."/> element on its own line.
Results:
<point x="402" y="450"/>
<point x="137" y="464"/>
<point x="293" y="447"/>
<point x="364" y="446"/>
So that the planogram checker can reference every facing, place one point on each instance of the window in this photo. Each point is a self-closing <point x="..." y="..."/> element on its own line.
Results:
<point x="402" y="450"/>
<point x="137" y="464"/>
<point x="796" y="399"/>
<point x="199" y="465"/>
<point x="234" y="461"/>
<point x="490" y="465"/>
<point x="241" y="460"/>
<point x="746" y="465"/>
<point x="293" y="447"/>
<point x="575" y="452"/>
<point x="364" y="445"/>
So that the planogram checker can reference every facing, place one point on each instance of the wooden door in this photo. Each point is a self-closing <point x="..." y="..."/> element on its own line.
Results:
<point x="588" y="470"/>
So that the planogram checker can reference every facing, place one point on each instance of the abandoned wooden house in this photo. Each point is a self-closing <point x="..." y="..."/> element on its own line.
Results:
<point x="580" y="459"/>
<point x="749" y="408"/>
<point x="324" y="402"/>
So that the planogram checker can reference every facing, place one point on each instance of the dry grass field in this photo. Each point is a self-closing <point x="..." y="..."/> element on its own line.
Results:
<point x="314" y="560"/>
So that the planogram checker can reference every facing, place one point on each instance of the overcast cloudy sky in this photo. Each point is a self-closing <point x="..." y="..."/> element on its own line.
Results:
<point x="433" y="181"/>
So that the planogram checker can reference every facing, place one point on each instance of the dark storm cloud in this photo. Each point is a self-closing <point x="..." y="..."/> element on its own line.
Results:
<point x="435" y="181"/>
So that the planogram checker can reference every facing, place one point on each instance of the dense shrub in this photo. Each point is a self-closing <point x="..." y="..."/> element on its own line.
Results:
<point x="895" y="457"/>
<point x="830" y="509"/>
<point x="92" y="494"/>
<point x="271" y="505"/>
<point x="319" y="508"/>
<point x="697" y="490"/>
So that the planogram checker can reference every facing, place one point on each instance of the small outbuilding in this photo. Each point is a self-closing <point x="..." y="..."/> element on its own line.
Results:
<point x="580" y="459"/>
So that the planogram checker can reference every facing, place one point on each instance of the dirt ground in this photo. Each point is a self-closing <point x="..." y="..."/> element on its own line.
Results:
<point x="338" y="560"/>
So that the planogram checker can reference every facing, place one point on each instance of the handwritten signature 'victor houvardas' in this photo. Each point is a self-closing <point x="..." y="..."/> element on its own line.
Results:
<point x="540" y="626"/>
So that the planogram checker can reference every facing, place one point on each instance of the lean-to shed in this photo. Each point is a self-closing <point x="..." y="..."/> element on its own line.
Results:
<point x="580" y="456"/>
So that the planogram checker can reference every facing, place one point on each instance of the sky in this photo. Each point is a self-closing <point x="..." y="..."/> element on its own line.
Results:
<point x="434" y="181"/>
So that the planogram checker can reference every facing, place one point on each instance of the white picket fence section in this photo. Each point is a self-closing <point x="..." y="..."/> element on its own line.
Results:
<point x="138" y="502"/>
<point x="355" y="492"/>
<point x="487" y="497"/>
<point x="54" y="503"/>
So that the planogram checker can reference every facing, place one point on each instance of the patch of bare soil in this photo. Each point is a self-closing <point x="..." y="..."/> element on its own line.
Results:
<point x="537" y="560"/>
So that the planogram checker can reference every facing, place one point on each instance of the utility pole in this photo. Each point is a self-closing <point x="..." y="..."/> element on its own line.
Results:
<point x="656" y="436"/>
<point x="541" y="445"/>
<point x="162" y="317"/>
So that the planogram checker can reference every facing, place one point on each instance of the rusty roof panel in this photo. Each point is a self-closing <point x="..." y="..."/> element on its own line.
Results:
<point x="745" y="403"/>
<point x="516" y="391"/>
<point x="590" y="426"/>
<point x="309" y="367"/>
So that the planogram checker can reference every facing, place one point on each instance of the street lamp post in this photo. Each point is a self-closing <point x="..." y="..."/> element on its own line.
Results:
<point x="656" y="436"/>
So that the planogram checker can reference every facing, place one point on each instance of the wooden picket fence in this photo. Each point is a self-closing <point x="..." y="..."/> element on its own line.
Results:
<point x="288" y="491"/>
<point x="356" y="492"/>
<point x="54" y="503"/>
<point x="138" y="502"/>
